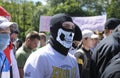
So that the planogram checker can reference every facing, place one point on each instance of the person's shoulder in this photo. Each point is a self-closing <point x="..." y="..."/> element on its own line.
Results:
<point x="40" y="55"/>
<point x="71" y="55"/>
<point x="79" y="53"/>
<point x="20" y="51"/>
<point x="104" y="45"/>
<point x="110" y="40"/>
<point x="72" y="58"/>
<point x="43" y="51"/>
<point x="115" y="67"/>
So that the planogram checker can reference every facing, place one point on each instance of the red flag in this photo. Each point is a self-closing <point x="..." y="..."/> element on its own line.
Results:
<point x="4" y="13"/>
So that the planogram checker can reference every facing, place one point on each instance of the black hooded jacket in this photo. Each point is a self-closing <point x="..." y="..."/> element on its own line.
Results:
<point x="113" y="68"/>
<point x="105" y="50"/>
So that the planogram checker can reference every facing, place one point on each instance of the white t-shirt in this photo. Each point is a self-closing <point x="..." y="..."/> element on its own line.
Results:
<point x="14" y="65"/>
<point x="72" y="50"/>
<point x="48" y="63"/>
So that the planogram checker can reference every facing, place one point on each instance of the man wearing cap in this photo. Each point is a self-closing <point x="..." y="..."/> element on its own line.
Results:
<point x="106" y="49"/>
<point x="84" y="53"/>
<point x="54" y="60"/>
<point x="8" y="51"/>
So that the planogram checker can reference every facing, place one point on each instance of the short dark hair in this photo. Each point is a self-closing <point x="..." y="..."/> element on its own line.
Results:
<point x="32" y="35"/>
<point x="16" y="32"/>
<point x="112" y="23"/>
<point x="42" y="35"/>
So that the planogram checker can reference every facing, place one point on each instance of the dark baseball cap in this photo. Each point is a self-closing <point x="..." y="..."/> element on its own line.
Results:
<point x="112" y="23"/>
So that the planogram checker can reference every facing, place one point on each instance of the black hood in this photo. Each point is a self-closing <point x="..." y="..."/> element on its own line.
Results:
<point x="77" y="36"/>
<point x="55" y="24"/>
<point x="78" y="33"/>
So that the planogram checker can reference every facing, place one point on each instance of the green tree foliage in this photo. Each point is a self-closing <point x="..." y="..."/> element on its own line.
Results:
<point x="70" y="7"/>
<point x="92" y="7"/>
<point x="27" y="14"/>
<point x="40" y="10"/>
<point x="97" y="7"/>
<point x="22" y="14"/>
<point x="54" y="3"/>
<point x="113" y="10"/>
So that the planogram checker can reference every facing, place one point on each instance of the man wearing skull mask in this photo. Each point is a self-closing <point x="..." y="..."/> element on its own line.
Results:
<point x="53" y="60"/>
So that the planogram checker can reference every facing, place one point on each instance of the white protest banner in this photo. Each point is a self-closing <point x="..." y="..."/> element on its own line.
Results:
<point x="44" y="23"/>
<point x="92" y="22"/>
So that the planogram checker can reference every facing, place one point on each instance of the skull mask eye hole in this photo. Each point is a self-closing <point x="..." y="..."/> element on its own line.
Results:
<point x="70" y="35"/>
<point x="62" y="37"/>
<point x="65" y="38"/>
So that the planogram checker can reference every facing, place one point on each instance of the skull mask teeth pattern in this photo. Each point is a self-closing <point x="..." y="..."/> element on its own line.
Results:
<point x="65" y="38"/>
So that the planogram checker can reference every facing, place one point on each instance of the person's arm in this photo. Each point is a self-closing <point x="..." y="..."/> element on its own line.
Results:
<point x="21" y="72"/>
<point x="108" y="74"/>
<point x="36" y="66"/>
<point x="20" y="61"/>
<point x="112" y="70"/>
<point x="80" y="60"/>
<point x="116" y="75"/>
<point x="14" y="65"/>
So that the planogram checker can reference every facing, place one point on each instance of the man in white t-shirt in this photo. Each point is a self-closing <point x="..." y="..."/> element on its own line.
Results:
<point x="53" y="60"/>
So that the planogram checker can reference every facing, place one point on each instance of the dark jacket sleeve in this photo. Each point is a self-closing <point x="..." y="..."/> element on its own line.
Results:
<point x="93" y="70"/>
<point x="80" y="60"/>
<point x="100" y="57"/>
<point x="112" y="70"/>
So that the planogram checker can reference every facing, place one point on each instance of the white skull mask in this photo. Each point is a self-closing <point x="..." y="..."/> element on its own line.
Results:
<point x="65" y="38"/>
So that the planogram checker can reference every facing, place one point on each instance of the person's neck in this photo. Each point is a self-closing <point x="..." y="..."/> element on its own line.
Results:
<point x="42" y="44"/>
<point x="85" y="47"/>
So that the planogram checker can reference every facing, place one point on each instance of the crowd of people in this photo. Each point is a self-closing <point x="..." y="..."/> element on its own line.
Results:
<point x="69" y="53"/>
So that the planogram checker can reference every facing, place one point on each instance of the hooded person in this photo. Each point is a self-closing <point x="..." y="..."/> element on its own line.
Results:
<point x="59" y="40"/>
<point x="53" y="60"/>
<point x="104" y="52"/>
<point x="76" y="39"/>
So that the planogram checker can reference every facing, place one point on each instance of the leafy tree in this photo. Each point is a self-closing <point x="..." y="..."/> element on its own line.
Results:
<point x="40" y="10"/>
<point x="54" y="3"/>
<point x="96" y="7"/>
<point x="27" y="14"/>
<point x="113" y="9"/>
<point x="69" y="7"/>
<point x="22" y="13"/>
